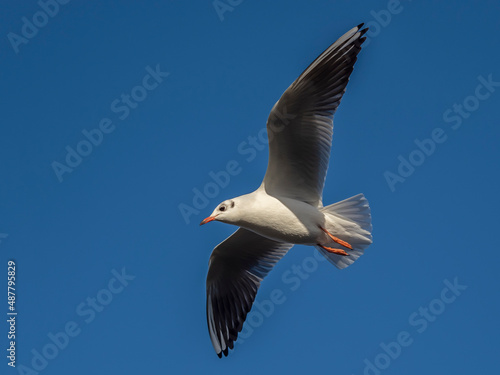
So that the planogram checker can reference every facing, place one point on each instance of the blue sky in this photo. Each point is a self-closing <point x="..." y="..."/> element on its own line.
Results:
<point x="159" y="97"/>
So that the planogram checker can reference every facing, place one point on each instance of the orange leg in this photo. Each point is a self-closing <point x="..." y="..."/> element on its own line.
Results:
<point x="338" y="240"/>
<point x="334" y="251"/>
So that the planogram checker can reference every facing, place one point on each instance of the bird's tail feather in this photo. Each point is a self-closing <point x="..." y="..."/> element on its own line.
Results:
<point x="349" y="220"/>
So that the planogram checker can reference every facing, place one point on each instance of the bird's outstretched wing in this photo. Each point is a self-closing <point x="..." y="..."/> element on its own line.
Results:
<point x="236" y="268"/>
<point x="300" y="125"/>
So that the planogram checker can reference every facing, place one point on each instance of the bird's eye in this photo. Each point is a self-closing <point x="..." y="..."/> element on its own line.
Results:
<point x="222" y="208"/>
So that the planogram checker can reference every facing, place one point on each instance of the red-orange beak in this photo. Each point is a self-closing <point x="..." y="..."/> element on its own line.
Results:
<point x="207" y="220"/>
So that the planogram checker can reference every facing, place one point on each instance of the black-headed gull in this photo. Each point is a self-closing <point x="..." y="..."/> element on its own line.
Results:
<point x="287" y="208"/>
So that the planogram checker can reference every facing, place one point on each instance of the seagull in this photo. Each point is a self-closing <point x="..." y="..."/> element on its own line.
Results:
<point x="287" y="208"/>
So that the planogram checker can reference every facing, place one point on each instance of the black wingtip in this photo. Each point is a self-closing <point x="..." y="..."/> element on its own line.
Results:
<point x="224" y="351"/>
<point x="361" y="30"/>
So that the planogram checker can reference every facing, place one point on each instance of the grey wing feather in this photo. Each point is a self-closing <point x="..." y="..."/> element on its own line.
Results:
<point x="300" y="125"/>
<point x="236" y="268"/>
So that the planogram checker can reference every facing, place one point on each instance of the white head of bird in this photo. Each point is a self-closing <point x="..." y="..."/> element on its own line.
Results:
<point x="226" y="212"/>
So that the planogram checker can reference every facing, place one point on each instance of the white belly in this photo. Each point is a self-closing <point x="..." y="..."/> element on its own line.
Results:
<point x="285" y="220"/>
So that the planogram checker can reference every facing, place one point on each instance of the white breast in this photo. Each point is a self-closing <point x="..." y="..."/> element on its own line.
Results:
<point x="283" y="219"/>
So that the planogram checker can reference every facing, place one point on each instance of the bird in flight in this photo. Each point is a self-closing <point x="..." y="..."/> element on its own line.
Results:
<point x="287" y="208"/>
